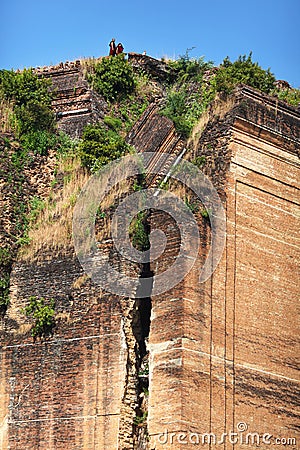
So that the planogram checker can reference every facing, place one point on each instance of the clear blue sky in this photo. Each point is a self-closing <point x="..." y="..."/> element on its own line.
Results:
<point x="39" y="32"/>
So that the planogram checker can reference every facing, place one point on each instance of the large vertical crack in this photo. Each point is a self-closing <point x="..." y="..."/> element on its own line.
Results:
<point x="136" y="313"/>
<point x="141" y="329"/>
<point x="129" y="399"/>
<point x="133" y="433"/>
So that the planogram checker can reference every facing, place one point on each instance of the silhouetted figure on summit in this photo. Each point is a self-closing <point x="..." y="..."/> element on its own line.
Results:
<point x="119" y="49"/>
<point x="112" y="47"/>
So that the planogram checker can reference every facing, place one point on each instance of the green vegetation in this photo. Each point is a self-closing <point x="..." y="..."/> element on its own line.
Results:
<point x="24" y="87"/>
<point x="31" y="117"/>
<point x="99" y="146"/>
<point x="131" y="108"/>
<point x="244" y="71"/>
<point x="30" y="99"/>
<point x="112" y="77"/>
<point x="197" y="84"/>
<point x="36" y="205"/>
<point x="127" y="92"/>
<point x="4" y="291"/>
<point x="199" y="161"/>
<point x="138" y="232"/>
<point x="114" y="123"/>
<point x="145" y="371"/>
<point x="27" y="214"/>
<point x="188" y="96"/>
<point x="39" y="141"/>
<point x="186" y="68"/>
<point x="6" y="258"/>
<point x="205" y="213"/>
<point x="141" y="420"/>
<point x="185" y="108"/>
<point x="43" y="315"/>
<point x="123" y="89"/>
<point x="25" y="109"/>
<point x="24" y="210"/>
<point x="176" y="109"/>
<point x="193" y="206"/>
<point x="291" y="96"/>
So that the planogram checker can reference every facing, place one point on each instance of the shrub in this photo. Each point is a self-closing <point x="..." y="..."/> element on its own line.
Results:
<point x="290" y="96"/>
<point x="34" y="116"/>
<point x="31" y="99"/>
<point x="184" y="109"/>
<point x="113" y="122"/>
<point x="23" y="87"/>
<point x="39" y="141"/>
<point x="175" y="110"/>
<point x="138" y="232"/>
<point x="190" y="95"/>
<point x="187" y="68"/>
<point x="100" y="146"/>
<point x="112" y="77"/>
<point x="4" y="291"/>
<point x="245" y="71"/>
<point x="43" y="315"/>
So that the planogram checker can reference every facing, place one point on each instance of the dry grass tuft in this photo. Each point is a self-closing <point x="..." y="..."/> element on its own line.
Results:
<point x="7" y="117"/>
<point x="88" y="64"/>
<point x="198" y="129"/>
<point x="219" y="108"/>
<point x="53" y="228"/>
<point x="63" y="316"/>
<point x="24" y="328"/>
<point x="80" y="281"/>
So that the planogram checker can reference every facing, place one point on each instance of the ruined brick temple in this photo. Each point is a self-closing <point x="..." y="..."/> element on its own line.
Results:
<point x="222" y="355"/>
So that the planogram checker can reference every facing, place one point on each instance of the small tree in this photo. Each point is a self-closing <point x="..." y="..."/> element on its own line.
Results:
<point x="43" y="315"/>
<point x="30" y="97"/>
<point x="187" y="68"/>
<point x="113" y="78"/>
<point x="4" y="291"/>
<point x="100" y="146"/>
<point x="244" y="71"/>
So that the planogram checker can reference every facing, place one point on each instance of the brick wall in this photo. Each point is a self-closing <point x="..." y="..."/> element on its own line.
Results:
<point x="221" y="352"/>
<point x="67" y="390"/>
<point x="74" y="103"/>
<point x="224" y="352"/>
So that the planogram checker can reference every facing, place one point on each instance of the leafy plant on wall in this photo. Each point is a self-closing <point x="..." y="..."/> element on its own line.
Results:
<point x="42" y="312"/>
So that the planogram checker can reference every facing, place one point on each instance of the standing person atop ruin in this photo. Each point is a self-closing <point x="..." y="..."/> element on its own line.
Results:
<point x="119" y="49"/>
<point x="112" y="47"/>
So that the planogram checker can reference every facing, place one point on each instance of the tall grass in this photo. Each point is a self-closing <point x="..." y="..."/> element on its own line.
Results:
<point x="7" y="117"/>
<point x="53" y="226"/>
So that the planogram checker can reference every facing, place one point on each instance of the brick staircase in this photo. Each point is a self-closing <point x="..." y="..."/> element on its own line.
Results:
<point x="156" y="133"/>
<point x="74" y="103"/>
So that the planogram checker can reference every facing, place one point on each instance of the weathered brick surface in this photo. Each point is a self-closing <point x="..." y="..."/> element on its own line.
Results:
<point x="74" y="103"/>
<point x="154" y="67"/>
<point x="221" y="353"/>
<point x="229" y="351"/>
<point x="59" y="389"/>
